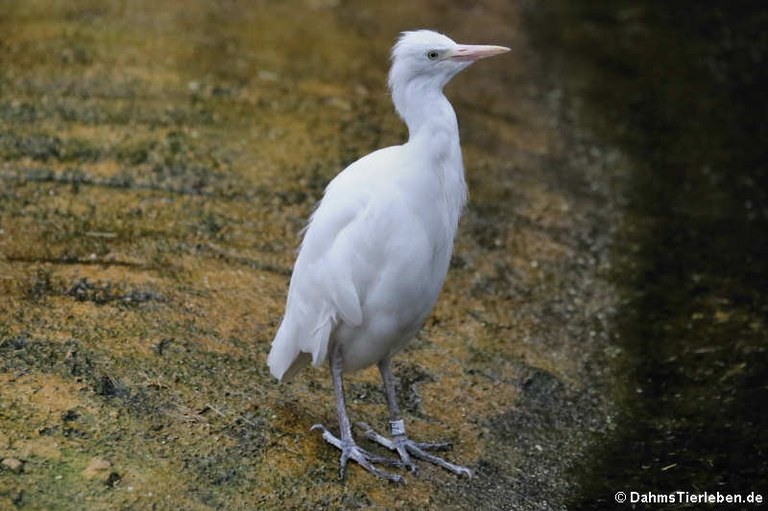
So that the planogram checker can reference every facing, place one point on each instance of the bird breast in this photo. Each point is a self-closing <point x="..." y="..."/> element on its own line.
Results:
<point x="401" y="245"/>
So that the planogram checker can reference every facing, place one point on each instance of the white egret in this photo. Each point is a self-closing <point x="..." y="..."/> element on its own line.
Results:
<point x="377" y="248"/>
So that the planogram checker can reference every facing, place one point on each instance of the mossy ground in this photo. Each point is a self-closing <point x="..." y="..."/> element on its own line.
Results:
<point x="157" y="162"/>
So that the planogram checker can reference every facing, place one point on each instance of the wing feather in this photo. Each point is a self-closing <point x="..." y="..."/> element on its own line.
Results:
<point x="323" y="289"/>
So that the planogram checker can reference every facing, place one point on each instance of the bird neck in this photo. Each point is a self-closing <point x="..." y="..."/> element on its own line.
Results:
<point x="433" y="134"/>
<point x="423" y="106"/>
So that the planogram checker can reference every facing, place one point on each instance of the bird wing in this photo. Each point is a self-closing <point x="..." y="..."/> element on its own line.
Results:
<point x="323" y="289"/>
<point x="322" y="270"/>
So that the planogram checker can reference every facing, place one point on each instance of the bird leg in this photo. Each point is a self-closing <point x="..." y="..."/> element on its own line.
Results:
<point x="400" y="443"/>
<point x="347" y="446"/>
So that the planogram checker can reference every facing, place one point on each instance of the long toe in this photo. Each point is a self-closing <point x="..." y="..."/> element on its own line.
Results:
<point x="434" y="446"/>
<point x="407" y="448"/>
<point x="367" y="460"/>
<point x="350" y="451"/>
<point x="418" y="452"/>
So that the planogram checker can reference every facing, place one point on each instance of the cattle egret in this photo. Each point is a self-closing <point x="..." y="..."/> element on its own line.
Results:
<point x="377" y="248"/>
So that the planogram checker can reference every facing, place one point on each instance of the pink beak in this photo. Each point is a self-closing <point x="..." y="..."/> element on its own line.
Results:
<point x="474" y="52"/>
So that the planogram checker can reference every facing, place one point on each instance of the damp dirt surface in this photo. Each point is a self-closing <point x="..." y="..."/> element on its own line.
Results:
<point x="158" y="161"/>
<point x="680" y="88"/>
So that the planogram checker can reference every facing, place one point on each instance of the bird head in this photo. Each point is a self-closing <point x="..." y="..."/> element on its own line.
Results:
<point x="432" y="58"/>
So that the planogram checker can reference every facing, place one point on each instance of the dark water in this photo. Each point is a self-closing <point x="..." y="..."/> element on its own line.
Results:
<point x="681" y="87"/>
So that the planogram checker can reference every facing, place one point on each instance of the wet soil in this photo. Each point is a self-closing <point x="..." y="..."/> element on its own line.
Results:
<point x="680" y="88"/>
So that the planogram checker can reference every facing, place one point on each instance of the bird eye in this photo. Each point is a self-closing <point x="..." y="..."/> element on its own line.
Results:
<point x="432" y="54"/>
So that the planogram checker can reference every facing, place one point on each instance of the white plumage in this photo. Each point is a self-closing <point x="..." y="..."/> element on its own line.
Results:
<point x="377" y="248"/>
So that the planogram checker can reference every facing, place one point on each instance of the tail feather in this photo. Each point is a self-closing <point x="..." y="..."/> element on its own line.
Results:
<point x="301" y="361"/>
<point x="293" y="349"/>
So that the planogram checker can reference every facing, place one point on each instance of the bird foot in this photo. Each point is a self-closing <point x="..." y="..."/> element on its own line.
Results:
<point x="350" y="451"/>
<point x="406" y="448"/>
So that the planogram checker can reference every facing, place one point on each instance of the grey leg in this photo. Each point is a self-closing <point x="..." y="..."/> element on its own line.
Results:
<point x="400" y="443"/>
<point x="350" y="450"/>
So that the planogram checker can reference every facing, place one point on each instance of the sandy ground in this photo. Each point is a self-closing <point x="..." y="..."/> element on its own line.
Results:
<point x="157" y="162"/>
